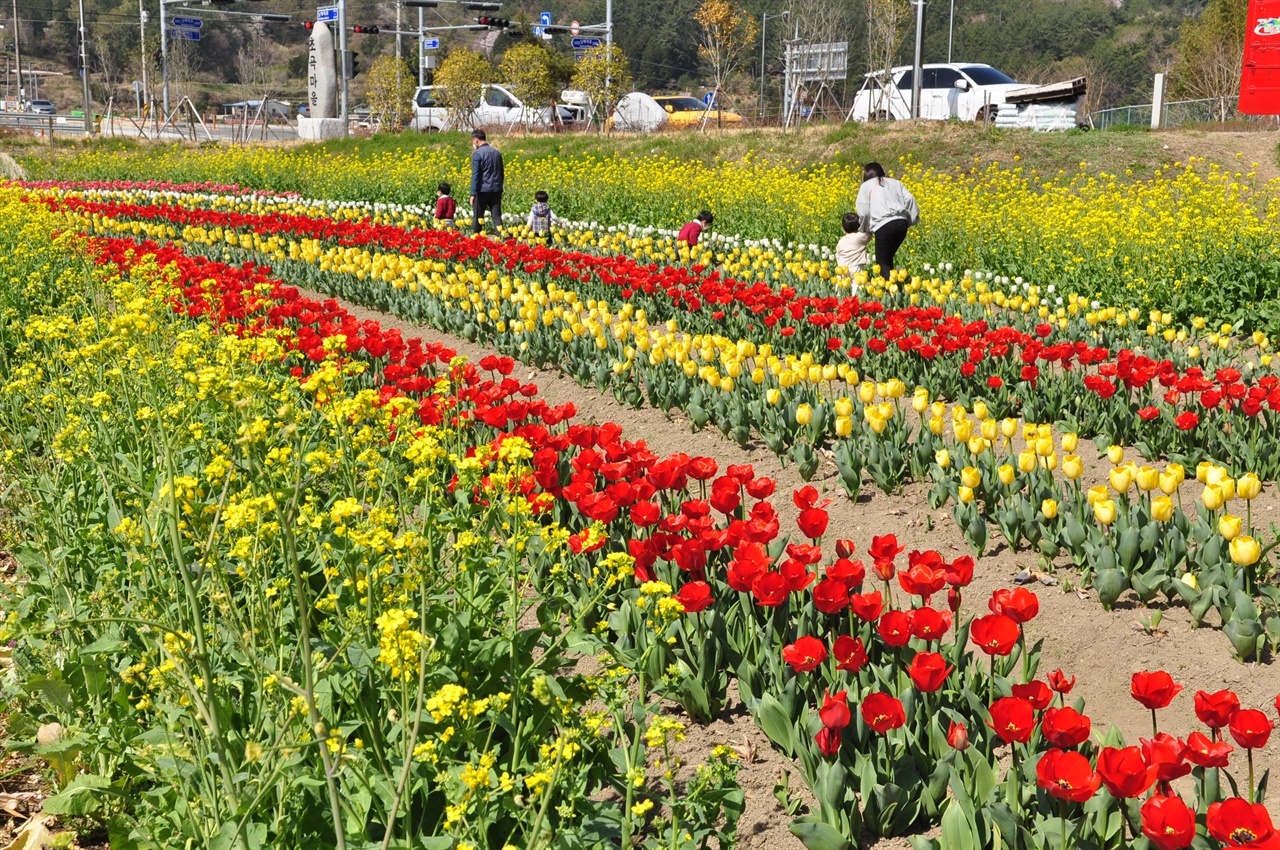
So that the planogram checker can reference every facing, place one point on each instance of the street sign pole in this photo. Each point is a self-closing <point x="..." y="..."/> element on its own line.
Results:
<point x="84" y="74"/>
<point x="342" y="61"/>
<point x="422" y="51"/>
<point x="164" y="63"/>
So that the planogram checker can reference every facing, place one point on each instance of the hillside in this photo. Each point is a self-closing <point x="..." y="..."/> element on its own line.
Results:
<point x="1118" y="43"/>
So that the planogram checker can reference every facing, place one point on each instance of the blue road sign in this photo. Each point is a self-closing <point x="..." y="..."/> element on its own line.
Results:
<point x="709" y="98"/>
<point x="189" y="23"/>
<point x="184" y="34"/>
<point x="545" y="19"/>
<point x="327" y="13"/>
<point x="537" y="32"/>
<point x="585" y="43"/>
<point x="431" y="44"/>
<point x="577" y="55"/>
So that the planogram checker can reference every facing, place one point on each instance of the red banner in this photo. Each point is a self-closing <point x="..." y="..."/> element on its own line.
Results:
<point x="1260" y="82"/>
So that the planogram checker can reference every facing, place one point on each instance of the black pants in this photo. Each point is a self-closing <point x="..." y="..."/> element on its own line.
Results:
<point x="491" y="201"/>
<point x="889" y="239"/>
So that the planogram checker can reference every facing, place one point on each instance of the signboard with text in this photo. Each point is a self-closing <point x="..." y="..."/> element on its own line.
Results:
<point x="1260" y="79"/>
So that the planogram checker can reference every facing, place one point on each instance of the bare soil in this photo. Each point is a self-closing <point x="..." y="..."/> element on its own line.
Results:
<point x="1101" y="649"/>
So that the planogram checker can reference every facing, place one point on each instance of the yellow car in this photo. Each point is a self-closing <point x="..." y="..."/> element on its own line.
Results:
<point x="690" y="112"/>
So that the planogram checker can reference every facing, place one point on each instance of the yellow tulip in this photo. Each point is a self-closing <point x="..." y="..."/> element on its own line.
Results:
<point x="1115" y="454"/>
<point x="1178" y="470"/>
<point x="1104" y="510"/>
<point x="963" y="429"/>
<point x="1248" y="486"/>
<point x="1148" y="478"/>
<point x="1097" y="493"/>
<point x="804" y="414"/>
<point x="1006" y="474"/>
<point x="980" y="411"/>
<point x="867" y="392"/>
<point x="878" y="425"/>
<point x="1051" y="462"/>
<point x="1202" y="471"/>
<point x="1121" y="480"/>
<point x="943" y="458"/>
<point x="1049" y="508"/>
<point x="989" y="429"/>
<point x="1162" y="508"/>
<point x="1008" y="427"/>
<point x="920" y="400"/>
<point x="1168" y="483"/>
<point x="965" y="494"/>
<point x="1072" y="467"/>
<point x="970" y="477"/>
<point x="844" y="426"/>
<point x="976" y="445"/>
<point x="1189" y="579"/>
<point x="1229" y="526"/>
<point x="1245" y="551"/>
<point x="936" y="425"/>
<point x="1026" y="462"/>
<point x="773" y="396"/>
<point x="1228" y="486"/>
<point x="1212" y="497"/>
<point x="1069" y="442"/>
<point x="757" y="376"/>
<point x="844" y="407"/>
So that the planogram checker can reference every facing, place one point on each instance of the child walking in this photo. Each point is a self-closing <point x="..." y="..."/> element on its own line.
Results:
<point x="541" y="217"/>
<point x="446" y="206"/>
<point x="851" y="250"/>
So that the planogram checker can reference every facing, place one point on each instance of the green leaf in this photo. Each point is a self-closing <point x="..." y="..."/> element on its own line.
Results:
<point x="83" y="796"/>
<point x="958" y="832"/>
<point x="775" y="723"/>
<point x="816" y="835"/>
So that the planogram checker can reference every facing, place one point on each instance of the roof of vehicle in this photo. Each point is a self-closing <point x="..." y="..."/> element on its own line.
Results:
<point x="959" y="66"/>
<point x="42" y="102"/>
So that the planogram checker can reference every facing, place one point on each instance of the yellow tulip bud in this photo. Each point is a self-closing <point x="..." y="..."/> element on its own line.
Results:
<point x="844" y="426"/>
<point x="897" y="389"/>
<point x="1193" y="352"/>
<point x="844" y="407"/>
<point x="1049" y="508"/>
<point x="1212" y="497"/>
<point x="1229" y="526"/>
<point x="1069" y="442"/>
<point x="1245" y="551"/>
<point x="829" y="372"/>
<point x="1008" y="427"/>
<point x="1228" y="486"/>
<point x="1248" y="486"/>
<point x="920" y="400"/>
<point x="1168" y="483"/>
<point x="1162" y="508"/>
<point x="1121" y="480"/>
<point x="963" y="429"/>
<point x="1026" y="462"/>
<point x="980" y="411"/>
<point x="804" y="414"/>
<point x="970" y="477"/>
<point x="1104" y="511"/>
<point x="943" y="458"/>
<point x="965" y="494"/>
<point x="1050" y="462"/>
<point x="1006" y="474"/>
<point x="1178" y="470"/>
<point x="1148" y="478"/>
<point x="1202" y="472"/>
<point x="1115" y="454"/>
<point x="757" y="376"/>
<point x="977" y="445"/>
<point x="1097" y="493"/>
<point x="1072" y="467"/>
<point x="773" y="396"/>
<point x="867" y="392"/>
<point x="936" y="425"/>
<point x="878" y="424"/>
<point x="1044" y="446"/>
<point x="989" y="429"/>
<point x="1189" y="579"/>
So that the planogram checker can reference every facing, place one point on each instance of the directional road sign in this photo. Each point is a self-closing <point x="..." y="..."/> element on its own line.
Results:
<point x="189" y="23"/>
<point x="545" y="19"/>
<point x="184" y="34"/>
<point x="538" y="32"/>
<point x="431" y="44"/>
<point x="585" y="43"/>
<point x="709" y="98"/>
<point x="327" y="13"/>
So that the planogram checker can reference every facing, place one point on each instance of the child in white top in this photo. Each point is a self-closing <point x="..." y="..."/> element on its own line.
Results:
<point x="851" y="250"/>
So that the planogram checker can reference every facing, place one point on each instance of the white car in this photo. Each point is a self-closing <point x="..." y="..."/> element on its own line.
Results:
<point x="497" y="108"/>
<point x="965" y="91"/>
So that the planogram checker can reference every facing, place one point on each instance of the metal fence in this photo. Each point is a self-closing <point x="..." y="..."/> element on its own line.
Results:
<point x="43" y="125"/>
<point x="1177" y="113"/>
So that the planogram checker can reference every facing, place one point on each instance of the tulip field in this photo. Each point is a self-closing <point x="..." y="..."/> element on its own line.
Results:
<point x="335" y="529"/>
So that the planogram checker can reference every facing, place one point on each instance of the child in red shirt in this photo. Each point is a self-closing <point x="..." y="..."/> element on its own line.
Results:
<point x="446" y="207"/>
<point x="690" y="232"/>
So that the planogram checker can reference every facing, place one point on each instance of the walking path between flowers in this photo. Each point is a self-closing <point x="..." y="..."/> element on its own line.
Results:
<point x="1102" y="649"/>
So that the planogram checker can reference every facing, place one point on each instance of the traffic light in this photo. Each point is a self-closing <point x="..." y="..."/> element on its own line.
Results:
<point x="350" y="66"/>
<point x="365" y="30"/>
<point x="493" y="23"/>
<point x="309" y="24"/>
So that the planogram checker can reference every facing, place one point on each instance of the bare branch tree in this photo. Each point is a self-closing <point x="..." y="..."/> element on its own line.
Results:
<point x="886" y="23"/>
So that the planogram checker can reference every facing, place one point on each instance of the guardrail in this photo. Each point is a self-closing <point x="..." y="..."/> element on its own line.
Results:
<point x="67" y="125"/>
<point x="1176" y="114"/>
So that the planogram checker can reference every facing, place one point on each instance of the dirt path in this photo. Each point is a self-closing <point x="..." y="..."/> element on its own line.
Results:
<point x="1102" y="649"/>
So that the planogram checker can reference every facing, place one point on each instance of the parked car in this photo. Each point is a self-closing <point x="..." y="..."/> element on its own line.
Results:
<point x="685" y="111"/>
<point x="42" y="107"/>
<point x="965" y="91"/>
<point x="497" y="107"/>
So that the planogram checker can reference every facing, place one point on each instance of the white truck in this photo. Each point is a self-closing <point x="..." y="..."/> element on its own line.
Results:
<point x="964" y="91"/>
<point x="498" y="107"/>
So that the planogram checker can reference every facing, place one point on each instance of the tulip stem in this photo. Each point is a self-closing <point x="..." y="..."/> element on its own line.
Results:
<point x="1249" y="750"/>
<point x="1155" y="731"/>
<point x="1062" y="821"/>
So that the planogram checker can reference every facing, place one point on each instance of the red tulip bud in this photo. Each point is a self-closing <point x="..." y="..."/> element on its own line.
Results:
<point x="958" y="736"/>
<point x="953" y="599"/>
<point x="885" y="569"/>
<point x="844" y="548"/>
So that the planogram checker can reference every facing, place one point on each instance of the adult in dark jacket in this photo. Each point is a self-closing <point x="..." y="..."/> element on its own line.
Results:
<point x="486" y="180"/>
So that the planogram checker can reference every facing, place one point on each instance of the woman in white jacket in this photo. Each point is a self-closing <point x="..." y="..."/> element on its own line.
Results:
<point x="887" y="209"/>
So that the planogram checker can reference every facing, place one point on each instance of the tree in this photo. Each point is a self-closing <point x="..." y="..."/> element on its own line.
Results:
<point x="886" y="21"/>
<point x="460" y="83"/>
<point x="389" y="90"/>
<point x="526" y="71"/>
<point x="604" y="75"/>
<point x="1211" y="55"/>
<point x="728" y="37"/>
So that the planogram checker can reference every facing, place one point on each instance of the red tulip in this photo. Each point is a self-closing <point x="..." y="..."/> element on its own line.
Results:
<point x="1065" y="727"/>
<point x="929" y="624"/>
<point x="761" y="488"/>
<point x="960" y="571"/>
<point x="793" y="572"/>
<point x="828" y="741"/>
<point x="1215" y="710"/>
<point x="1168" y="823"/>
<point x="695" y="596"/>
<point x="813" y="522"/>
<point x="850" y="573"/>
<point x="1019" y="604"/>
<point x="867" y="605"/>
<point x="1205" y="752"/>
<point x="845" y="548"/>
<point x="1125" y="772"/>
<point x="1238" y="823"/>
<point x="805" y="654"/>
<point x="882" y="712"/>
<point x="830" y="596"/>
<point x="958" y="736"/>
<point x="645" y="514"/>
<point x="1251" y="728"/>
<point x="702" y="468"/>
<point x="1060" y="683"/>
<point x="835" y="710"/>
<point x="770" y="589"/>
<point x="1013" y="719"/>
<point x="884" y="569"/>
<point x="1154" y="690"/>
<point x="884" y="547"/>
<point x="850" y="654"/>
<point x="895" y="628"/>
<point x="807" y="497"/>
<point x="1167" y="755"/>
<point x="1035" y="692"/>
<point x="1067" y="775"/>
<point x="994" y="634"/>
<point x="920" y="580"/>
<point x="928" y="671"/>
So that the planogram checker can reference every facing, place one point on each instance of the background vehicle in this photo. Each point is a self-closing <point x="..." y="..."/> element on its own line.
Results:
<point x="497" y="107"/>
<point x="42" y="107"/>
<point x="962" y="90"/>
<point x="685" y="111"/>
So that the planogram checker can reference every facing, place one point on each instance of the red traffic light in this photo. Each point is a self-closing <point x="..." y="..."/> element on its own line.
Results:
<point x="309" y="24"/>
<point x="495" y="23"/>
<point x="365" y="30"/>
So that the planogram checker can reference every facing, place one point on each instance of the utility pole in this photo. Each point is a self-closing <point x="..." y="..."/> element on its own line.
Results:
<point x="422" y="50"/>
<point x="142" y="41"/>
<point x="608" y="49"/>
<point x="917" y="69"/>
<point x="17" y="47"/>
<point x="84" y="73"/>
<point x="764" y="24"/>
<point x="342" y="64"/>
<point x="951" y="31"/>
